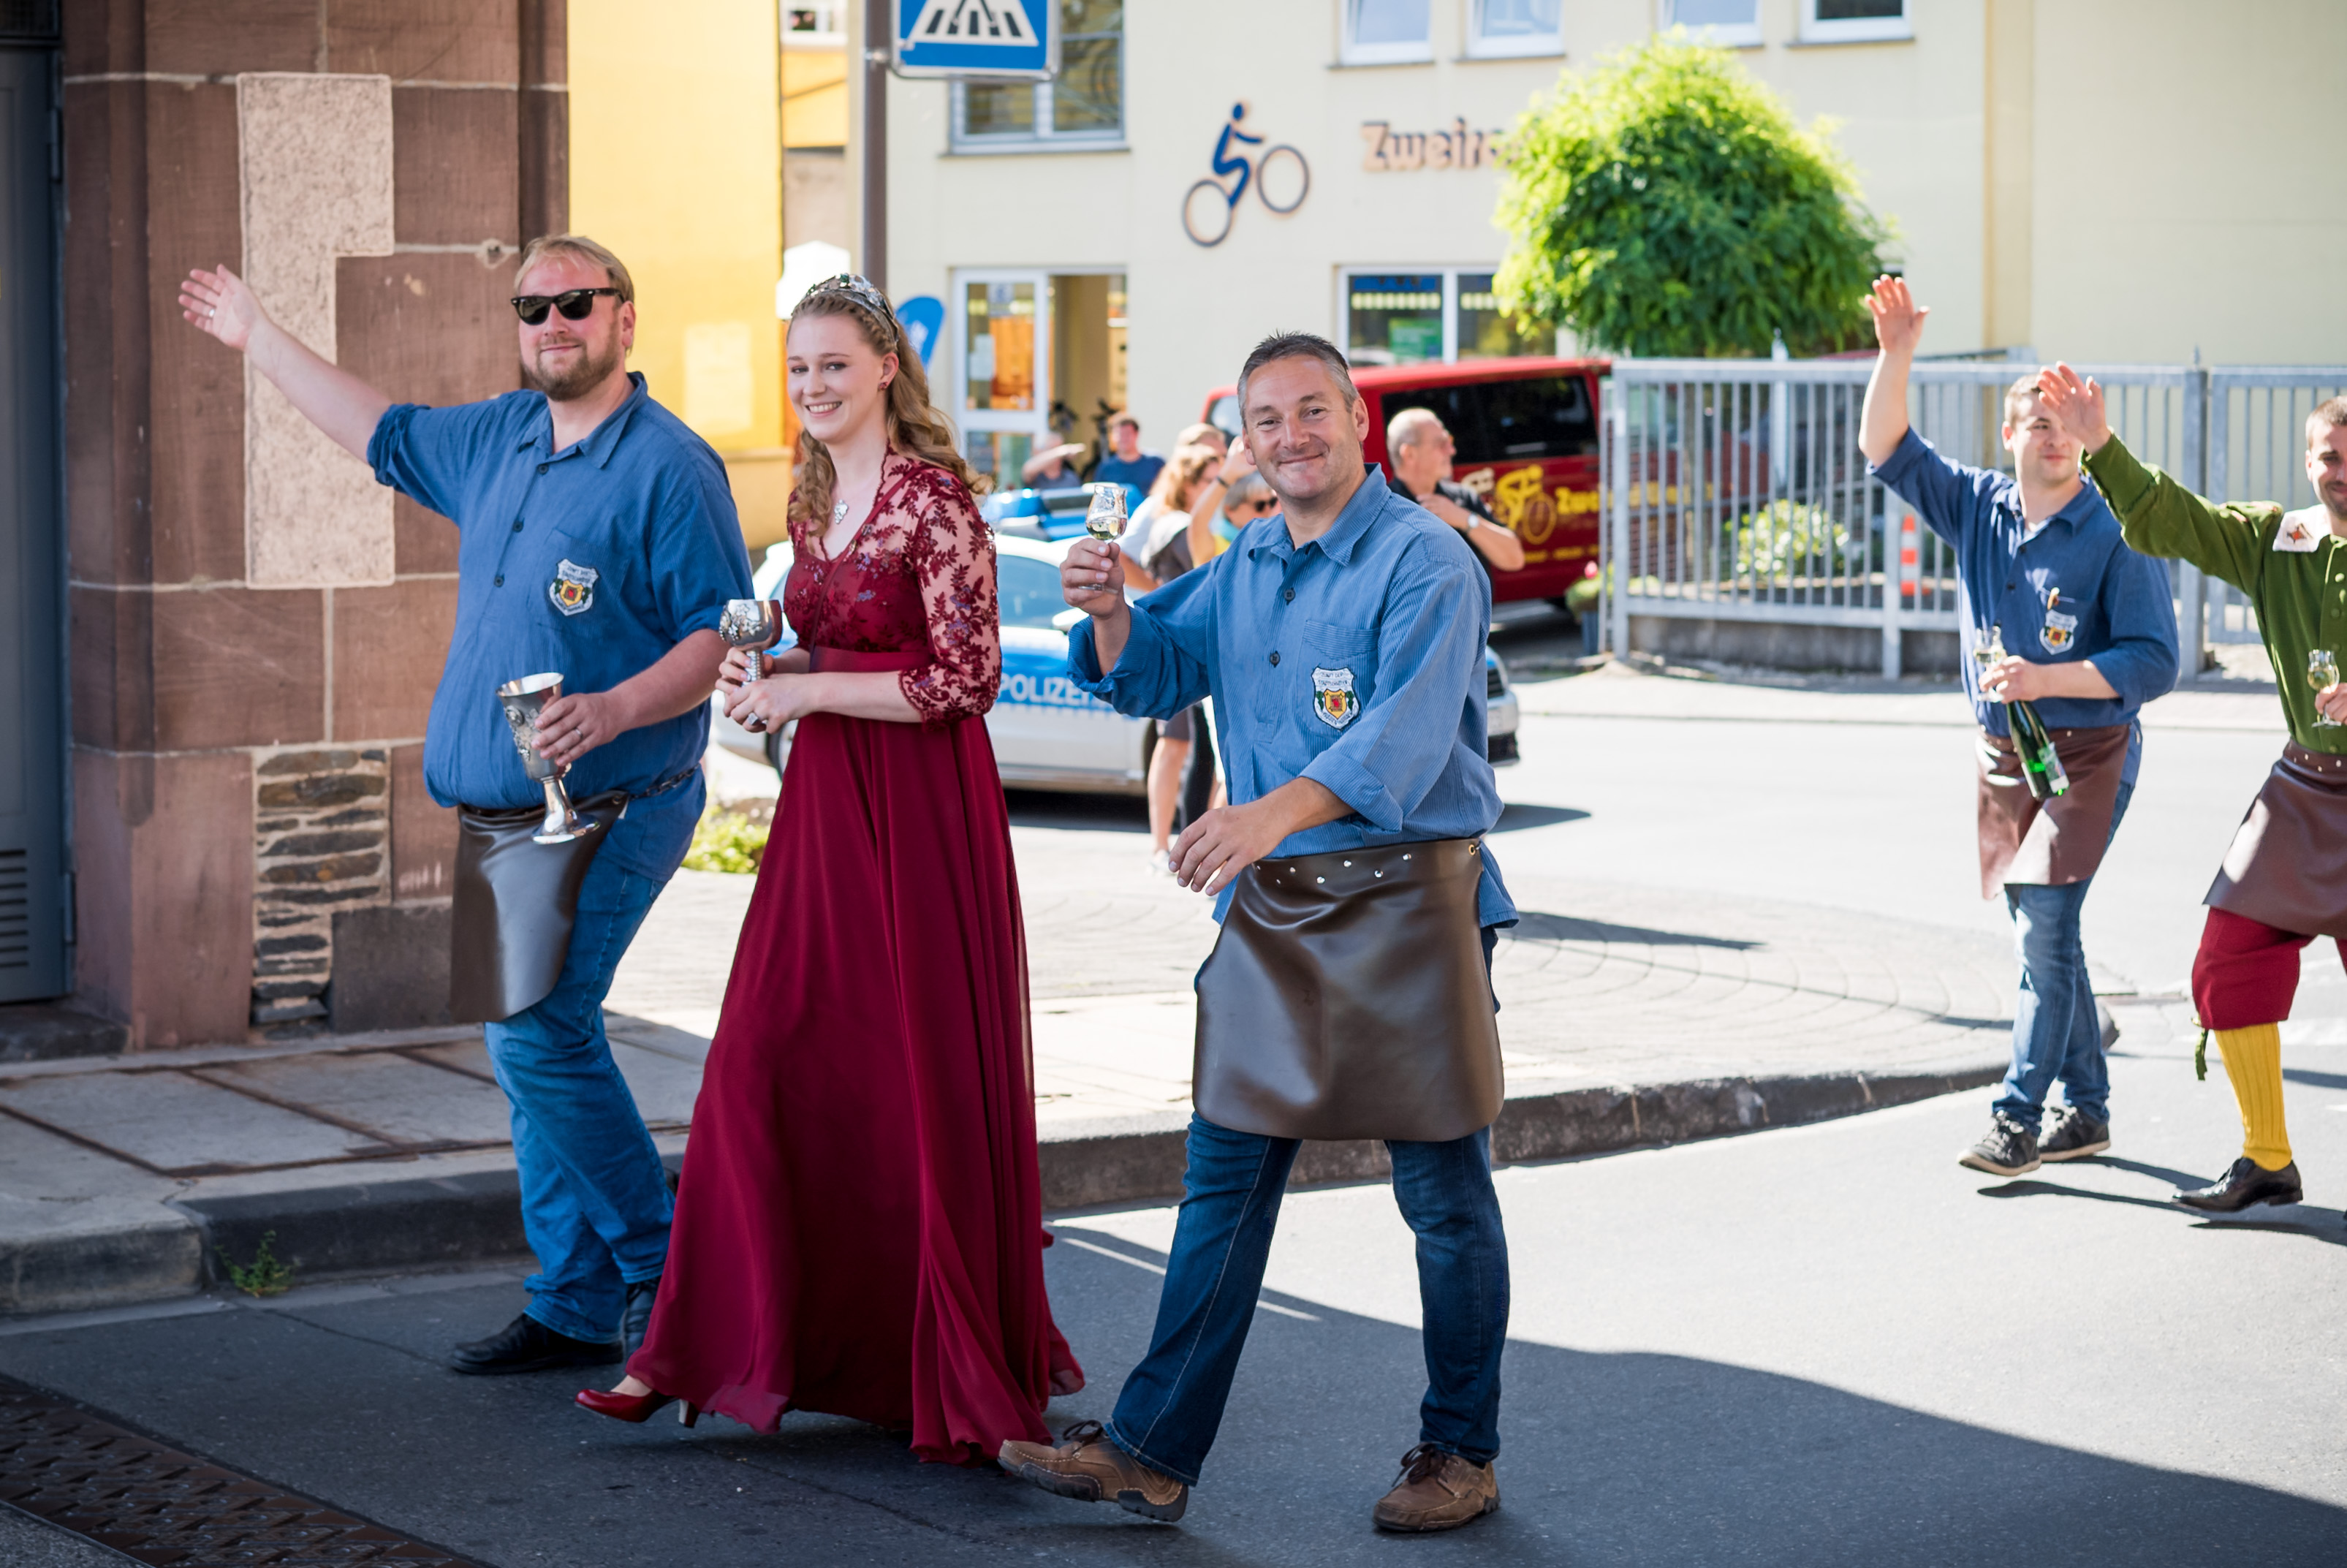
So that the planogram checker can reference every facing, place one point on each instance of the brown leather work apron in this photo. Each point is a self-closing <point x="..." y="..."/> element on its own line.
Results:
<point x="2287" y="865"/>
<point x="2054" y="842"/>
<point x="1347" y="998"/>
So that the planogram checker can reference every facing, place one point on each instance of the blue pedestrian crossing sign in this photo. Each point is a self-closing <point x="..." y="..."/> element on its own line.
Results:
<point x="978" y="38"/>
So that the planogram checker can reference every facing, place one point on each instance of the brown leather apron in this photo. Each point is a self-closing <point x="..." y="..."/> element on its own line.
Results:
<point x="515" y="902"/>
<point x="1347" y="998"/>
<point x="2048" y="842"/>
<point x="2287" y="865"/>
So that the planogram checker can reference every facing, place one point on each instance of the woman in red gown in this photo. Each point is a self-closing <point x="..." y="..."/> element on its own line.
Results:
<point x="858" y="1228"/>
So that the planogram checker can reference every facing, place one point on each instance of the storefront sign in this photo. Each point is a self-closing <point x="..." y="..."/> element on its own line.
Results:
<point x="1385" y="149"/>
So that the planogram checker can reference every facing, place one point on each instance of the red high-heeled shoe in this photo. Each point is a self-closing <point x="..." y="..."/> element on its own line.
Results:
<point x="634" y="1406"/>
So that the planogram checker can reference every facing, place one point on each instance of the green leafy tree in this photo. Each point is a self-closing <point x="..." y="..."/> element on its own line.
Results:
<point x="1667" y="204"/>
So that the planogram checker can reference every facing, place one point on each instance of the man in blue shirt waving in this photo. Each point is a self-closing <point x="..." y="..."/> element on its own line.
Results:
<point x="1349" y="994"/>
<point x="597" y="538"/>
<point x="2091" y="635"/>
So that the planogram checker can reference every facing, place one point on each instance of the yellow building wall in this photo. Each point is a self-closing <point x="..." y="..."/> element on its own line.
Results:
<point x="815" y="96"/>
<point x="676" y="165"/>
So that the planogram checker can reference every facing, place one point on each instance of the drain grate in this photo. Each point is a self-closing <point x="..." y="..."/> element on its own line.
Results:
<point x="154" y="1504"/>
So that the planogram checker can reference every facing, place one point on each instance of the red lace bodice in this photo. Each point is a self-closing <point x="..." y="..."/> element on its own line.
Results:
<point x="919" y="575"/>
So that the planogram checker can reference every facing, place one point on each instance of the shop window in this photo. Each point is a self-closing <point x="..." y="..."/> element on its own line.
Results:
<point x="1411" y="318"/>
<point x="1084" y="107"/>
<point x="1000" y="369"/>
<point x="1854" y="21"/>
<point x="1736" y="23"/>
<point x="1502" y="27"/>
<point x="1387" y="32"/>
<point x="1508" y="421"/>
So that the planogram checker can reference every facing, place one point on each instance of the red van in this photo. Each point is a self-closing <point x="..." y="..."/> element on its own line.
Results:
<point x="1527" y="435"/>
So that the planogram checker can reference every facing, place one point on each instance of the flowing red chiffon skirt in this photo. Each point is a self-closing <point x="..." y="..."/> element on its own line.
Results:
<point x="858" y="1229"/>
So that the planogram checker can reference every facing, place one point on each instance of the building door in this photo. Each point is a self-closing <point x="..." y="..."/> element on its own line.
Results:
<point x="1040" y="361"/>
<point x="33" y="899"/>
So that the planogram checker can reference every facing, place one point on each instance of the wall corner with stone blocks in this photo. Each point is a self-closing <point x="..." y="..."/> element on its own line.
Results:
<point x="257" y="627"/>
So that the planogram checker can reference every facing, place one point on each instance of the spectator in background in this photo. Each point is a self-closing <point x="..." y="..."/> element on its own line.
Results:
<point x="1418" y="449"/>
<point x="1212" y="435"/>
<point x="1211" y="527"/>
<point x="1155" y="543"/>
<point x="1054" y="468"/>
<point x="1126" y="464"/>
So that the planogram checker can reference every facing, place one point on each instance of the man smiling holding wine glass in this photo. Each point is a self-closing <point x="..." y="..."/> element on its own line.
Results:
<point x="2284" y="879"/>
<point x="2043" y="571"/>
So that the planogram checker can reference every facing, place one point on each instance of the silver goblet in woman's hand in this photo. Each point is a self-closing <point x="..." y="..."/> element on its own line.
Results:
<point x="751" y="625"/>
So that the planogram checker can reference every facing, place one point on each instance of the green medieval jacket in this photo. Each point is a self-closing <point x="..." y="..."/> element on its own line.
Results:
<point x="2291" y="564"/>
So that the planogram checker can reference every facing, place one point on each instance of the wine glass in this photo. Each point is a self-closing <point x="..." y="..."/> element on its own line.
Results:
<point x="2322" y="673"/>
<point x="1104" y="518"/>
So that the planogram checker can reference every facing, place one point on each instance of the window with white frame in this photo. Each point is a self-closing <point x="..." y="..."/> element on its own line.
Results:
<point x="1854" y="21"/>
<point x="1503" y="27"/>
<point x="1084" y="107"/>
<point x="1387" y="32"/>
<point x="1736" y="23"/>
<point x="805" y="21"/>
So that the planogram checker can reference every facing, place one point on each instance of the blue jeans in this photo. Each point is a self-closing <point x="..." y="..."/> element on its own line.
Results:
<point x="594" y="1195"/>
<point x="1173" y="1403"/>
<point x="2055" y="1030"/>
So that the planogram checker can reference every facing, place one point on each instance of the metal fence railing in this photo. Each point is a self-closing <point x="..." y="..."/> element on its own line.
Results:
<point x="1734" y="489"/>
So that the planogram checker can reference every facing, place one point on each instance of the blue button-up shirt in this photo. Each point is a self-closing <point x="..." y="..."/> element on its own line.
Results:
<point x="2073" y="591"/>
<point x="593" y="561"/>
<point x="1355" y="662"/>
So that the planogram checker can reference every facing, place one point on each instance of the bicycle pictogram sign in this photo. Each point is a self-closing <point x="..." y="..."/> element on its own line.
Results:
<point x="1210" y="206"/>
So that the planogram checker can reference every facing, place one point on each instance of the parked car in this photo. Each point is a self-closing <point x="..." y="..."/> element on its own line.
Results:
<point x="1047" y="733"/>
<point x="1527" y="435"/>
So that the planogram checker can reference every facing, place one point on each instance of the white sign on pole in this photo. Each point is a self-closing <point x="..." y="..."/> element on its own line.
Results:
<point x="978" y="38"/>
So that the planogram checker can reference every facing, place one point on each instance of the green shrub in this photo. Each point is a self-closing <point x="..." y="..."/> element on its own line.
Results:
<point x="1786" y="537"/>
<point x="727" y="840"/>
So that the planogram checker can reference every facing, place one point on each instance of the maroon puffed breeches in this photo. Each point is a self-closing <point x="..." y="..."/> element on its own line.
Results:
<point x="2246" y="972"/>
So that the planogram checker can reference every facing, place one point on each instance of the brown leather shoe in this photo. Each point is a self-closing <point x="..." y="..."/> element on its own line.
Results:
<point x="1089" y="1468"/>
<point x="1437" y="1489"/>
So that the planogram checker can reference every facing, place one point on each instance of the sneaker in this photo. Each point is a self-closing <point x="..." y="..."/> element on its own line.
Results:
<point x="2246" y="1183"/>
<point x="1161" y="863"/>
<point x="1437" y="1489"/>
<point x="2009" y="1150"/>
<point x="1089" y="1468"/>
<point x="2075" y="1136"/>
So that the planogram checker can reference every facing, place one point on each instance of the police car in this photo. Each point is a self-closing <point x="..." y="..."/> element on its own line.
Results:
<point x="1047" y="733"/>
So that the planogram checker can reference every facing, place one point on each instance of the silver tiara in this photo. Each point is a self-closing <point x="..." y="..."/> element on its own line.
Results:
<point x="857" y="290"/>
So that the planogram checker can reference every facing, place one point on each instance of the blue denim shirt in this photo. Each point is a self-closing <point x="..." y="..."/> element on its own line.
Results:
<point x="594" y="561"/>
<point x="1355" y="662"/>
<point x="2113" y="605"/>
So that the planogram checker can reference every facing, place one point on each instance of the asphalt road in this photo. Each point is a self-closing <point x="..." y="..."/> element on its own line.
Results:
<point x="1826" y="1344"/>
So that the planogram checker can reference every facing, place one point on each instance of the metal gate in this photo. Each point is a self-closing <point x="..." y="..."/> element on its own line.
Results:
<point x="1735" y="490"/>
<point x="33" y="894"/>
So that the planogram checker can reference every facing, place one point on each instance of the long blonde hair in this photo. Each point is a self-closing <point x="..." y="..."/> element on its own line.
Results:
<point x="916" y="428"/>
<point x="1184" y="471"/>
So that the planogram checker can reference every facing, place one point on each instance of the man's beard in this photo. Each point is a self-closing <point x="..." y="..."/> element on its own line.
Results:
<point x="587" y="373"/>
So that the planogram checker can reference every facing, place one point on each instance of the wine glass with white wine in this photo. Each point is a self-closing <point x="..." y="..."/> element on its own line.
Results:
<point x="1104" y="518"/>
<point x="2322" y="673"/>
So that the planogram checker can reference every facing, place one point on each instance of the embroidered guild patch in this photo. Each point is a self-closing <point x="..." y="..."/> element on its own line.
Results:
<point x="573" y="588"/>
<point x="2059" y="631"/>
<point x="1334" y="699"/>
<point x="2300" y="531"/>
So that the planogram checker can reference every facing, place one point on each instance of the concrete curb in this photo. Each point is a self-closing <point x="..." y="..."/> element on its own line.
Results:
<point x="142" y="1253"/>
<point x="1115" y="1168"/>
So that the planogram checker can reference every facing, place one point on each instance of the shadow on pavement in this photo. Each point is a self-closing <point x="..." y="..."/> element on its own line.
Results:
<point x="2315" y="1080"/>
<point x="1534" y="926"/>
<point x="1627" y="1458"/>
<point x="2294" y="1219"/>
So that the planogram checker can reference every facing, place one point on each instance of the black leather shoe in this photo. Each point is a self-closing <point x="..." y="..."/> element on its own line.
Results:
<point x="636" y="1317"/>
<point x="2247" y="1183"/>
<point x="526" y="1345"/>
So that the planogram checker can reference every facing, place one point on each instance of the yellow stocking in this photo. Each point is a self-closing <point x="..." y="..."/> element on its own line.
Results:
<point x="2253" y="1061"/>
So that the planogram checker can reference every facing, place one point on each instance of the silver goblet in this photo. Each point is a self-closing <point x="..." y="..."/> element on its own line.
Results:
<point x="522" y="701"/>
<point x="752" y="625"/>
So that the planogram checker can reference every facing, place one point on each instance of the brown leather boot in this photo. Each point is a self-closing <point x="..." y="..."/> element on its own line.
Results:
<point x="1437" y="1489"/>
<point x="1089" y="1468"/>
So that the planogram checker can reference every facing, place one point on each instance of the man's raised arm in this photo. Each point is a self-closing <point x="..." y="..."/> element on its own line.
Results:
<point x="1898" y="327"/>
<point x="338" y="402"/>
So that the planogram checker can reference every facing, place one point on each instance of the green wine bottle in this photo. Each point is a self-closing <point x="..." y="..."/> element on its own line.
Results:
<point x="2041" y="764"/>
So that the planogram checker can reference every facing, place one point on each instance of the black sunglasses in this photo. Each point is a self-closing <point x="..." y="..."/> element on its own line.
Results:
<point x="576" y="304"/>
